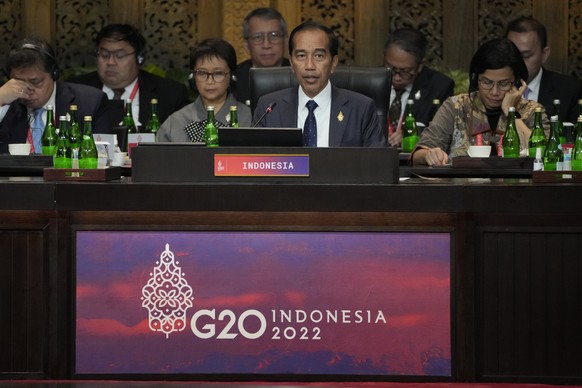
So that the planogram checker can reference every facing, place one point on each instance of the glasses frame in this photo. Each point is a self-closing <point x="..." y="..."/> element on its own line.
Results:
<point x="274" y="37"/>
<point x="203" y="75"/>
<point x="406" y="74"/>
<point x="118" y="55"/>
<point x="488" y="84"/>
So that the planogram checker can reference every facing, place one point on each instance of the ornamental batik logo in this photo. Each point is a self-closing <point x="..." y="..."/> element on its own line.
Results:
<point x="167" y="295"/>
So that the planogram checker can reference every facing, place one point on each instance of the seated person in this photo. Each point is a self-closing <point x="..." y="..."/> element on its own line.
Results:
<point x="264" y="32"/>
<point x="329" y="116"/>
<point x="213" y="64"/>
<point x="544" y="86"/>
<point x="33" y="85"/>
<point x="119" y="49"/>
<point x="404" y="52"/>
<point x="497" y="82"/>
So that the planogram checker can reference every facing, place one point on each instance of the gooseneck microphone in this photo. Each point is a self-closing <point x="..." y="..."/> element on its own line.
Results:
<point x="267" y="111"/>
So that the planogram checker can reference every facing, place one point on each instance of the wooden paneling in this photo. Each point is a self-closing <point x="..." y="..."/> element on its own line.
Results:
<point x="371" y="31"/>
<point x="24" y="300"/>
<point x="459" y="33"/>
<point x="38" y="19"/>
<point x="126" y="11"/>
<point x="554" y="15"/>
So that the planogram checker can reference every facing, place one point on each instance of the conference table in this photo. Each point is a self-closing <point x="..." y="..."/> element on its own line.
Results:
<point x="402" y="276"/>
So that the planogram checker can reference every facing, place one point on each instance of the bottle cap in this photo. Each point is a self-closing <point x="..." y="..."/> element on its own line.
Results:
<point x="88" y="118"/>
<point x="154" y="101"/>
<point x="556" y="101"/>
<point x="554" y="118"/>
<point x="410" y="101"/>
<point x="538" y="109"/>
<point x="233" y="107"/>
<point x="128" y="101"/>
<point x="436" y="101"/>
<point x="49" y="107"/>
<point x="73" y="107"/>
<point x="210" y="107"/>
<point x="511" y="109"/>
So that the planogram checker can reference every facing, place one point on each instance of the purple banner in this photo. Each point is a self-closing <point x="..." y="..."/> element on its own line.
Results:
<point x="263" y="303"/>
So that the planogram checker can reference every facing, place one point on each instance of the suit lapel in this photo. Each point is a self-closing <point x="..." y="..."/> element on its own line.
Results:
<point x="339" y="117"/>
<point x="63" y="99"/>
<point x="289" y="109"/>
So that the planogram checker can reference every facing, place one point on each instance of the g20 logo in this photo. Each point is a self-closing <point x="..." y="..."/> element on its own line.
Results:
<point x="208" y="330"/>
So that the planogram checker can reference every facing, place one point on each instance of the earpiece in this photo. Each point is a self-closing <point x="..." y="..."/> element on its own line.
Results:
<point x="140" y="59"/>
<point x="54" y="68"/>
<point x="191" y="81"/>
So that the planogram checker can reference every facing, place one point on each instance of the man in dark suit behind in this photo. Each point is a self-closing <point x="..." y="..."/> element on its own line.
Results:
<point x="33" y="86"/>
<point x="404" y="52"/>
<point x="120" y="52"/>
<point x="264" y="32"/>
<point x="337" y="117"/>
<point x="544" y="86"/>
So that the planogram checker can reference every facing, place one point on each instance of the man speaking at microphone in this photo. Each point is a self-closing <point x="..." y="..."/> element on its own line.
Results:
<point x="329" y="116"/>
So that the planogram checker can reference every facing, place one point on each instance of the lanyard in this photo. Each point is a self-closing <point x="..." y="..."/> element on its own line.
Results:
<point x="134" y="91"/>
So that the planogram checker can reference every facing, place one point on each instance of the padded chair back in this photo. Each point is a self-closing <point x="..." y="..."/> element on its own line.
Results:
<point x="373" y="82"/>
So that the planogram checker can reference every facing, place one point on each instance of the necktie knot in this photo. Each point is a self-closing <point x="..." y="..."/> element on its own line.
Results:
<point x="117" y="93"/>
<point x="311" y="105"/>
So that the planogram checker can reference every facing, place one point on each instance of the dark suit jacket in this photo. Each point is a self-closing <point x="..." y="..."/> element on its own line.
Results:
<point x="243" y="80"/>
<point x="431" y="84"/>
<point x="172" y="95"/>
<point x="358" y="128"/>
<point x="559" y="86"/>
<point x="89" y="101"/>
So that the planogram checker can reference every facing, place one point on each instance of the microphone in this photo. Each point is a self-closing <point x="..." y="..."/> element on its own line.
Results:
<point x="267" y="111"/>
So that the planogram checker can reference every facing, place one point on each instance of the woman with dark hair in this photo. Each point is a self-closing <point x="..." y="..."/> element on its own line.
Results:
<point x="213" y="64"/>
<point x="497" y="82"/>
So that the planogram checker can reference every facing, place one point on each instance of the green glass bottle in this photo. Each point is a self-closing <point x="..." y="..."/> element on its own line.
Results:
<point x="88" y="151"/>
<point x="75" y="135"/>
<point x="210" y="130"/>
<point x="128" y="121"/>
<point x="409" y="130"/>
<point x="538" y="136"/>
<point x="154" y="122"/>
<point x="556" y="112"/>
<point x="62" y="156"/>
<point x="577" y="151"/>
<point x="234" y="116"/>
<point x="510" y="142"/>
<point x="553" y="157"/>
<point x="580" y="107"/>
<point x="49" y="136"/>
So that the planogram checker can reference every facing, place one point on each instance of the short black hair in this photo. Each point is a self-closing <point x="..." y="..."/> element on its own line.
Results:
<point x="125" y="32"/>
<point x="215" y="48"/>
<point x="497" y="54"/>
<point x="32" y="51"/>
<point x="313" y="25"/>
<point x="527" y="24"/>
<point x="265" y="14"/>
<point x="408" y="39"/>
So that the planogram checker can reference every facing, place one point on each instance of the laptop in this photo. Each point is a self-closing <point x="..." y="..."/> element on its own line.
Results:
<point x="260" y="137"/>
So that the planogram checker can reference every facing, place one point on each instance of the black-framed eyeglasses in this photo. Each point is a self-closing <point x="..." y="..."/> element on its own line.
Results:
<point x="487" y="84"/>
<point x="217" y="76"/>
<point x="117" y="54"/>
<point x="272" y="37"/>
<point x="405" y="74"/>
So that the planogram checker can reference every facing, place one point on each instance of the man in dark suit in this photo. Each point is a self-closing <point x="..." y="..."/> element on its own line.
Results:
<point x="330" y="116"/>
<point x="120" y="53"/>
<point x="264" y="31"/>
<point x="33" y="86"/>
<point x="544" y="86"/>
<point x="404" y="52"/>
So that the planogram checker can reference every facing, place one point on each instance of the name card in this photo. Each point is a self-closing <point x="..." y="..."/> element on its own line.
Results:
<point x="261" y="165"/>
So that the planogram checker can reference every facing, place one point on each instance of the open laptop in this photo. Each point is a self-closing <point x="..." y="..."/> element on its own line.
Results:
<point x="260" y="137"/>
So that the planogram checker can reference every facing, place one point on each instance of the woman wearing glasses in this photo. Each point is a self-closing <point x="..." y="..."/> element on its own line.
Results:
<point x="213" y="64"/>
<point x="497" y="74"/>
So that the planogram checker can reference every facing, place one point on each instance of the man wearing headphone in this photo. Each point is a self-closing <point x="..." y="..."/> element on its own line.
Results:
<point x="33" y="86"/>
<point x="120" y="53"/>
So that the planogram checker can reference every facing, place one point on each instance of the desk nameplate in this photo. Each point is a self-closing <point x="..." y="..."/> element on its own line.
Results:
<point x="258" y="165"/>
